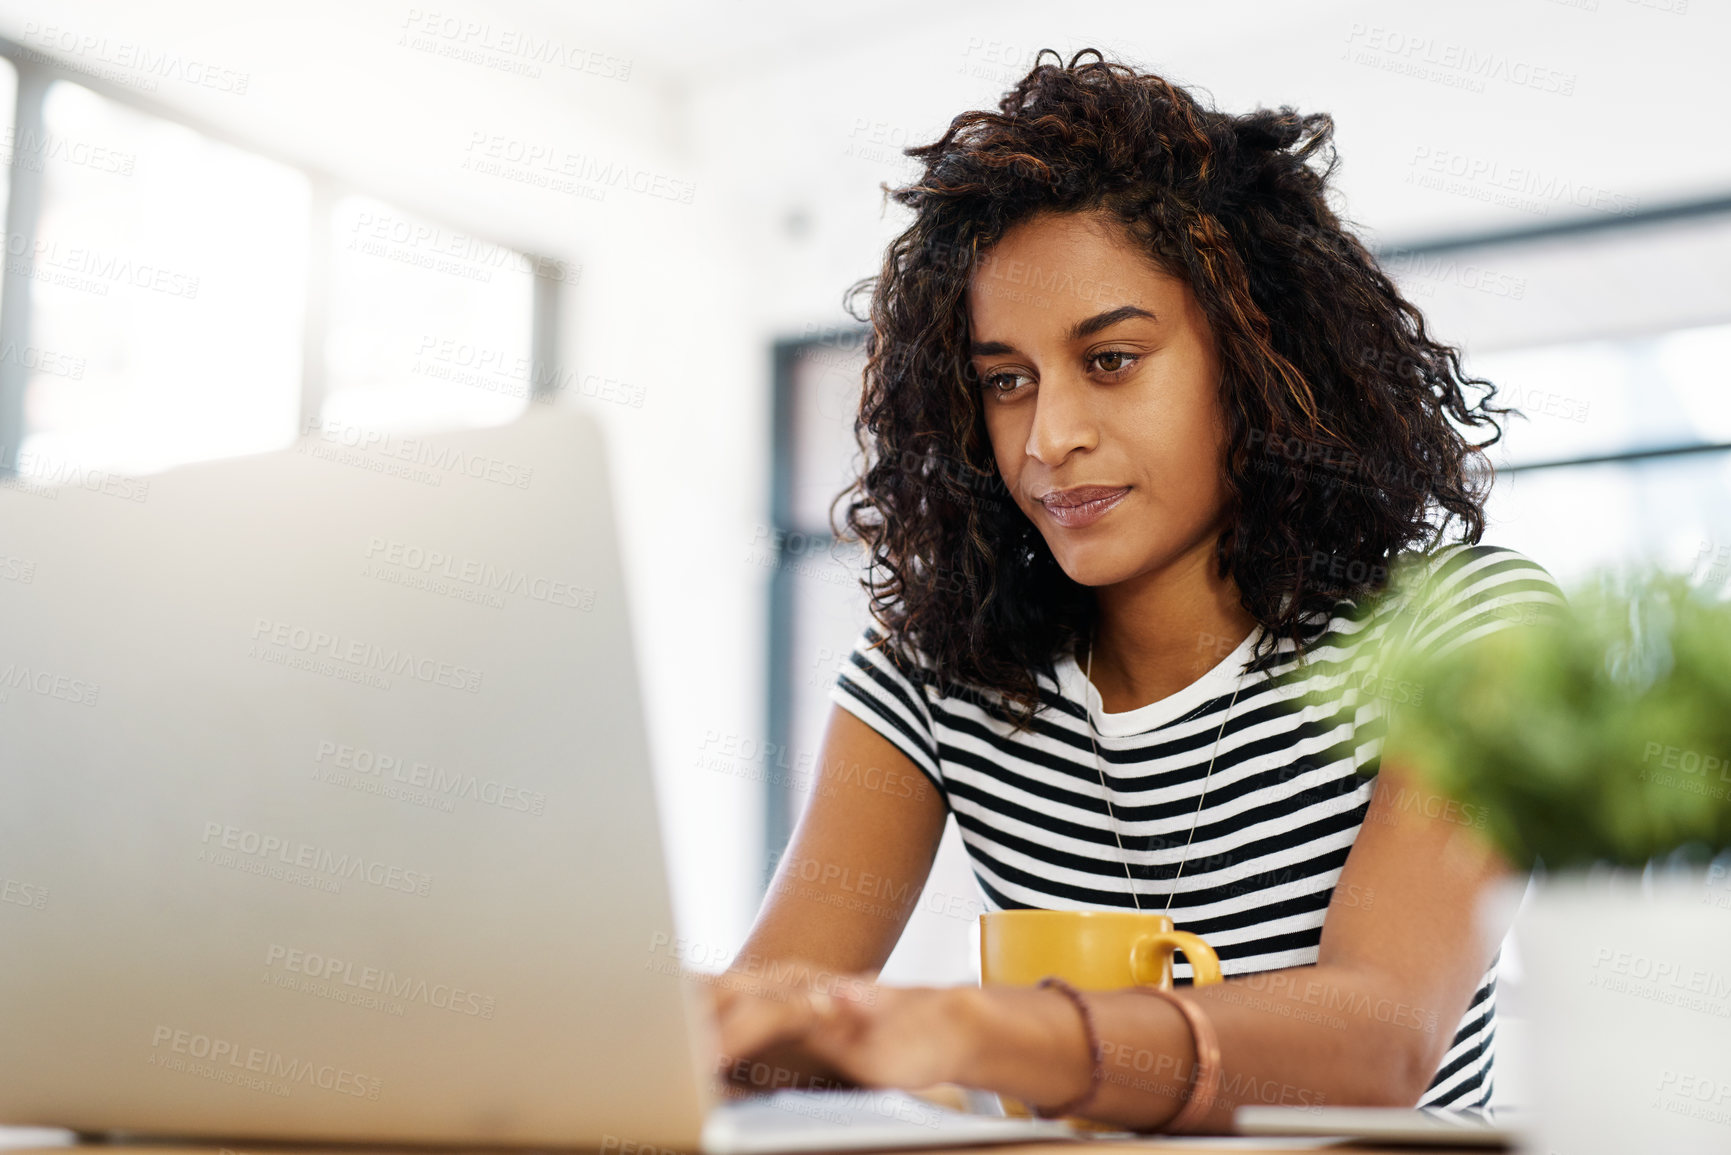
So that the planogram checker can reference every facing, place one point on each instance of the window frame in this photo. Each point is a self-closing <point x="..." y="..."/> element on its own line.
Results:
<point x="1492" y="241"/>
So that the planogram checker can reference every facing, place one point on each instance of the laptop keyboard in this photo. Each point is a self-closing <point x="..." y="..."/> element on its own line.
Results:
<point x="853" y="1119"/>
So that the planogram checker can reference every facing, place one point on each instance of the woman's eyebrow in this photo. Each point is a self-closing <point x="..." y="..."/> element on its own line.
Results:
<point x="1086" y="327"/>
<point x="1091" y="325"/>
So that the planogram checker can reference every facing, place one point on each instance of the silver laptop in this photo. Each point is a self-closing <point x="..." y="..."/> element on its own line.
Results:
<point x="1393" y="1126"/>
<point x="326" y="813"/>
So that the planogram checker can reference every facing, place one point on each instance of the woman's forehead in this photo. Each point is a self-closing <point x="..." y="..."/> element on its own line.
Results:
<point x="1059" y="276"/>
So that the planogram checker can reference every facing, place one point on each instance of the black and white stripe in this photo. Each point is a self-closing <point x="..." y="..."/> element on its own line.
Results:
<point x="1282" y="806"/>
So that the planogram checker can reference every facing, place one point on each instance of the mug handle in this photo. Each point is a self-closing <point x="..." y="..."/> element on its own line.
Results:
<point x="1146" y="953"/>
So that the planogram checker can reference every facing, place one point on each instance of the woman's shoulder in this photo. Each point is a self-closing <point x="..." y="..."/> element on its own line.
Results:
<point x="1464" y="570"/>
<point x="893" y="654"/>
<point x="878" y="642"/>
<point x="1464" y="587"/>
<point x="886" y="654"/>
<point x="1458" y="554"/>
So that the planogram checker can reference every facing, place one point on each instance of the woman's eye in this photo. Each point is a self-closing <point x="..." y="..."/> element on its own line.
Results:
<point x="1120" y="360"/>
<point x="1003" y="382"/>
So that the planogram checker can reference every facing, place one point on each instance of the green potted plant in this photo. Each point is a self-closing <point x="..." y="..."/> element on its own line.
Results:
<point x="1597" y="734"/>
<point x="1596" y="739"/>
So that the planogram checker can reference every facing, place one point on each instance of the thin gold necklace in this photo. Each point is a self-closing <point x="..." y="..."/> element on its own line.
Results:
<point x="1106" y="793"/>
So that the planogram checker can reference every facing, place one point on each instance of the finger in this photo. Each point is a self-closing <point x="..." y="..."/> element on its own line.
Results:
<point x="837" y="1024"/>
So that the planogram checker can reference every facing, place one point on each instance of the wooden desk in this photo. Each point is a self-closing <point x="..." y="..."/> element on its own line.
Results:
<point x="1239" y="1145"/>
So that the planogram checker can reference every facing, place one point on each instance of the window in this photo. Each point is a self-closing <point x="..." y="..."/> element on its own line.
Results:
<point x="15" y="152"/>
<point x="429" y="327"/>
<point x="1609" y="334"/>
<point x="817" y="610"/>
<point x="1647" y="404"/>
<point x="167" y="295"/>
<point x="171" y="296"/>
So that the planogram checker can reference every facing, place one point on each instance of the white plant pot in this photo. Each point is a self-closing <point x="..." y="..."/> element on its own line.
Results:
<point x="1628" y="987"/>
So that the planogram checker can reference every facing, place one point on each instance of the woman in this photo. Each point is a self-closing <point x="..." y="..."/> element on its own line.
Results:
<point x="1147" y="430"/>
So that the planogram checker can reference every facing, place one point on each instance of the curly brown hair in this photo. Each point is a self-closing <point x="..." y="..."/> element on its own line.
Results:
<point x="1336" y="400"/>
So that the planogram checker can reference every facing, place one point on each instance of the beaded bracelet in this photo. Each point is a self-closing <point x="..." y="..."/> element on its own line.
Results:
<point x="1205" y="1084"/>
<point x="1098" y="1072"/>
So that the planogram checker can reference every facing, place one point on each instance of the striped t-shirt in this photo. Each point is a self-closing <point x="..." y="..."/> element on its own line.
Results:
<point x="1282" y="806"/>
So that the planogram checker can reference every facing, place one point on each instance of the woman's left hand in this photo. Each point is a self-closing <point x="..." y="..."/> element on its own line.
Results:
<point x="877" y="1036"/>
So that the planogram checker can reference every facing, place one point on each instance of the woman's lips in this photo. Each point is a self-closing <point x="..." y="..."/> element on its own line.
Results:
<point x="1097" y="501"/>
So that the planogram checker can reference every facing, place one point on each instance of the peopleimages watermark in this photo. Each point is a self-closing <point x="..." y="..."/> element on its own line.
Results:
<point x="1514" y="186"/>
<point x="1660" y="980"/>
<point x="44" y="475"/>
<point x="1444" y="62"/>
<point x="359" y="767"/>
<point x="1441" y="268"/>
<point x="403" y="563"/>
<point x="673" y="954"/>
<point x="517" y="375"/>
<point x="766" y="763"/>
<point x="870" y="894"/>
<point x="359" y="979"/>
<point x="413" y="458"/>
<point x="1690" y="771"/>
<point x="1694" y="1096"/>
<point x="392" y="237"/>
<point x="548" y="165"/>
<point x="20" y="676"/>
<point x="351" y="659"/>
<point x="832" y="884"/>
<point x="504" y="48"/>
<point x="1717" y="891"/>
<point x="40" y="360"/>
<point x="30" y="149"/>
<point x="227" y="1061"/>
<point x="1331" y="466"/>
<point x="876" y="141"/>
<point x="1020" y="280"/>
<point x="1324" y="781"/>
<point x="1234" y="1088"/>
<point x="1545" y="402"/>
<point x="1349" y="895"/>
<point x="88" y="269"/>
<point x="15" y="892"/>
<point x="1712" y="562"/>
<point x="127" y="63"/>
<point x="230" y="846"/>
<point x="1328" y="997"/>
<point x="995" y="60"/>
<point x="797" y="552"/>
<point x="747" y="757"/>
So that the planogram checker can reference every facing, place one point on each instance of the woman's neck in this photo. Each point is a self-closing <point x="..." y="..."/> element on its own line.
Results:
<point x="1159" y="632"/>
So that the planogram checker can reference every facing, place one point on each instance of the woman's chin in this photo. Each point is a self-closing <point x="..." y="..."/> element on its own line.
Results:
<point x="1089" y="568"/>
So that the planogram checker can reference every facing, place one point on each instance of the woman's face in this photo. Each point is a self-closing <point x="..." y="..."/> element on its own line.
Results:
<point x="1097" y="374"/>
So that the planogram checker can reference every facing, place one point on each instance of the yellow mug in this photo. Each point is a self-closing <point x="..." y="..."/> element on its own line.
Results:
<point x="1092" y="950"/>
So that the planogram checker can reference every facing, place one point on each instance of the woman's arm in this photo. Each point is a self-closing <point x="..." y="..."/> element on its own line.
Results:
<point x="857" y="860"/>
<point x="1399" y="960"/>
<point x="842" y="892"/>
